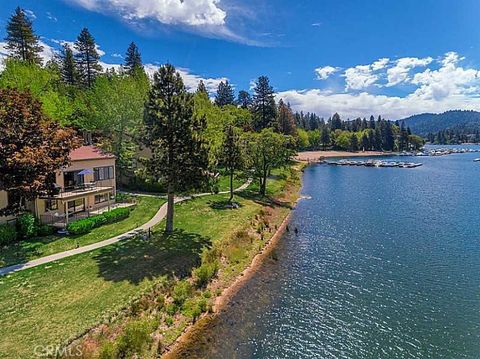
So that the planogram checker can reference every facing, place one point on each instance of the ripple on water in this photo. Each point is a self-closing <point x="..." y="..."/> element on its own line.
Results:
<point x="386" y="265"/>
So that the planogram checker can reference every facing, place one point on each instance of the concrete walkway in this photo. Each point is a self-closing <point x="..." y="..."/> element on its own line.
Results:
<point x="159" y="216"/>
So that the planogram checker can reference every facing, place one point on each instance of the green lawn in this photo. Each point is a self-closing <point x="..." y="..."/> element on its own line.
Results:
<point x="224" y="182"/>
<point x="50" y="304"/>
<point x="41" y="247"/>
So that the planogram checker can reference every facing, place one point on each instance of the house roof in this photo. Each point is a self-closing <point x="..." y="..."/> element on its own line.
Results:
<point x="89" y="153"/>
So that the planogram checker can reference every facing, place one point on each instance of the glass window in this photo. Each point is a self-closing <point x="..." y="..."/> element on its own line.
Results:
<point x="103" y="173"/>
<point x="51" y="205"/>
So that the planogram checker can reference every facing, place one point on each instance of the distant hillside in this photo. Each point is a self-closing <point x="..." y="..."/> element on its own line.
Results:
<point x="426" y="123"/>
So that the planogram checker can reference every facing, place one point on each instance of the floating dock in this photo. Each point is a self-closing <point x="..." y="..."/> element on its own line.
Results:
<point x="375" y="163"/>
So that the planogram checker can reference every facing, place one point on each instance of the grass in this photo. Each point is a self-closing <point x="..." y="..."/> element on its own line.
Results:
<point x="224" y="181"/>
<point x="41" y="247"/>
<point x="56" y="303"/>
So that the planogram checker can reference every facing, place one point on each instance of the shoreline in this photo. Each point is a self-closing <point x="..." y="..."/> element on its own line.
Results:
<point x="317" y="156"/>
<point x="189" y="333"/>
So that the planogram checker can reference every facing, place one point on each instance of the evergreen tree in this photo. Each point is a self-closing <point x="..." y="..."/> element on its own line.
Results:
<point x="244" y="100"/>
<point x="336" y="122"/>
<point x="133" y="59"/>
<point x="285" y="119"/>
<point x="231" y="154"/>
<point x="225" y="95"/>
<point x="174" y="134"/>
<point x="21" y="40"/>
<point x="365" y="142"/>
<point x="201" y="88"/>
<point x="68" y="68"/>
<point x="263" y="107"/>
<point x="325" y="137"/>
<point x="87" y="58"/>
<point x="389" y="140"/>
<point x="353" y="142"/>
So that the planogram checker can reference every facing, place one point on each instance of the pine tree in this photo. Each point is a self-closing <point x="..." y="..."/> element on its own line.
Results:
<point x="174" y="135"/>
<point x="133" y="59"/>
<point x="263" y="108"/>
<point x="353" y="142"/>
<point x="336" y="122"/>
<point x="87" y="58"/>
<point x="22" y="42"/>
<point x="68" y="68"/>
<point x="225" y="95"/>
<point x="244" y="100"/>
<point x="285" y="120"/>
<point x="325" y="137"/>
<point x="231" y="156"/>
<point x="202" y="88"/>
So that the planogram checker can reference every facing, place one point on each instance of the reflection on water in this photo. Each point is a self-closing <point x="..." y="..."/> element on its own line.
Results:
<point x="386" y="265"/>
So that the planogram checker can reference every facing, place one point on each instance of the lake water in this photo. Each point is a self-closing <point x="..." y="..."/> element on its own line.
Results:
<point x="386" y="264"/>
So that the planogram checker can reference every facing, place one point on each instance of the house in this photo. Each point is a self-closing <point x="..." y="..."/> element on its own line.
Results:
<point x="87" y="185"/>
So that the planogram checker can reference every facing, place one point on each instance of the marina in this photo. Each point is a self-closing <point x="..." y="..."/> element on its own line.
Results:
<point x="374" y="163"/>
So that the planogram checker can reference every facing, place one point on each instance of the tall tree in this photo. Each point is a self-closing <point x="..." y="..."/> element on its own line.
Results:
<point x="336" y="122"/>
<point x="225" y="95"/>
<point x="285" y="119"/>
<point x="325" y="137"/>
<point x="87" y="58"/>
<point x="32" y="147"/>
<point x="133" y="59"/>
<point x="231" y="155"/>
<point x="22" y="42"/>
<point x="68" y="68"/>
<point x="263" y="108"/>
<point x="265" y="151"/>
<point x="175" y="136"/>
<point x="202" y="88"/>
<point x="244" y="100"/>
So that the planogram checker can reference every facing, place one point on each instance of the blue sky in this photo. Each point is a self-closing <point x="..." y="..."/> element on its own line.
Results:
<point x="357" y="57"/>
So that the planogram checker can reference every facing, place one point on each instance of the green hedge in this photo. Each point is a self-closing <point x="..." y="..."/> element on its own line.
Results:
<point x="86" y="225"/>
<point x="8" y="234"/>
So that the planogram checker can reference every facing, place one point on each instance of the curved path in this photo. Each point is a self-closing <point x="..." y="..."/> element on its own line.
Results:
<point x="159" y="216"/>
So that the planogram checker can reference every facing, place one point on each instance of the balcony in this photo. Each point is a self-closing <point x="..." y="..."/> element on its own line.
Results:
<point x="81" y="190"/>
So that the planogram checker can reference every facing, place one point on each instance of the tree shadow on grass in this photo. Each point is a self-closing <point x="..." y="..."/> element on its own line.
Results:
<point x="267" y="200"/>
<point x="24" y="250"/>
<point x="135" y="260"/>
<point x="223" y="205"/>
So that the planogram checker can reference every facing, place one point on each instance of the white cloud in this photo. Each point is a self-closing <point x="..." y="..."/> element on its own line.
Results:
<point x="400" y="72"/>
<point x="325" y="72"/>
<point x="47" y="53"/>
<point x="171" y="12"/>
<point x="51" y="17"/>
<point x="443" y="85"/>
<point x="364" y="76"/>
<point x="72" y="46"/>
<point x="30" y="14"/>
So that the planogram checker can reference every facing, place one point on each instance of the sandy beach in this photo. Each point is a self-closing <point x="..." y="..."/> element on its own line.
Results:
<point x="312" y="156"/>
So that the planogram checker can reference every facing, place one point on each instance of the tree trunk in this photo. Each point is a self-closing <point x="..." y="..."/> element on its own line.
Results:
<point x="170" y="208"/>
<point x="231" y="186"/>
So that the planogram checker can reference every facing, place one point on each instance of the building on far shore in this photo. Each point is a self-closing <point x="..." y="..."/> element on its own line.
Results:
<point x="86" y="186"/>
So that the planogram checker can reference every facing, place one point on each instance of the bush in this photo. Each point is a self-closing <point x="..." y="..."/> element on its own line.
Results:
<point x="80" y="227"/>
<point x="116" y="214"/>
<point x="135" y="339"/>
<point x="203" y="274"/>
<point x="181" y="292"/>
<point x="193" y="308"/>
<point x="45" y="230"/>
<point x="8" y="234"/>
<point x="86" y="225"/>
<point x="27" y="226"/>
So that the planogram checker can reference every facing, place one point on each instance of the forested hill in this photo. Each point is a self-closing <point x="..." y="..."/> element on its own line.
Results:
<point x="426" y="123"/>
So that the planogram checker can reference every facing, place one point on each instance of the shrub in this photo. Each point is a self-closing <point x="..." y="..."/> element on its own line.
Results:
<point x="181" y="292"/>
<point x="45" y="230"/>
<point x="135" y="339"/>
<point x="116" y="214"/>
<point x="8" y="234"/>
<point x="203" y="274"/>
<point x="86" y="225"/>
<point x="27" y="226"/>
<point x="193" y="308"/>
<point x="171" y="309"/>
<point x="80" y="227"/>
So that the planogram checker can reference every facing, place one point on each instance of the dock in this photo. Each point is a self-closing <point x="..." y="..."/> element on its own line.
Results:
<point x="374" y="163"/>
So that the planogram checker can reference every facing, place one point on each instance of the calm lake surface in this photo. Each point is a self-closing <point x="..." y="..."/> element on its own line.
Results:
<point x="386" y="265"/>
